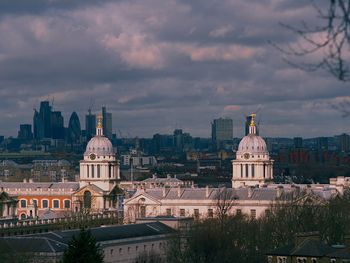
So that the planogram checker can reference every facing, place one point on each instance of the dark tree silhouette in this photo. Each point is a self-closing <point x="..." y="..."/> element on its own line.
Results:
<point x="329" y="40"/>
<point x="82" y="249"/>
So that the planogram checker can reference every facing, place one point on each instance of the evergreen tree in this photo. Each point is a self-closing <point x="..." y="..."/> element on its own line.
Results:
<point x="82" y="249"/>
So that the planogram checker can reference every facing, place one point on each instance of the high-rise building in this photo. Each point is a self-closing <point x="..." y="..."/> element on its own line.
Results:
<point x="25" y="132"/>
<point x="344" y="142"/>
<point x="38" y="126"/>
<point x="45" y="114"/>
<point x="107" y="122"/>
<point x="221" y="131"/>
<point x="57" y="125"/>
<point x="178" y="140"/>
<point x="90" y="124"/>
<point x="74" y="129"/>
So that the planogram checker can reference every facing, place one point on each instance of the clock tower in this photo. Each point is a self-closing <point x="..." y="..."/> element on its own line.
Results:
<point x="253" y="165"/>
<point x="100" y="166"/>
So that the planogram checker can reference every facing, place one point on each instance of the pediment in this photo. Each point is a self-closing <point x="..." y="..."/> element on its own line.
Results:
<point x="95" y="190"/>
<point x="142" y="198"/>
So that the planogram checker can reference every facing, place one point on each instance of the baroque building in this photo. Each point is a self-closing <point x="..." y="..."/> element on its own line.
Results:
<point x="253" y="165"/>
<point x="99" y="174"/>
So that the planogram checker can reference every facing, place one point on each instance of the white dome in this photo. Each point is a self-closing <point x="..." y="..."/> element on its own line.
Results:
<point x="99" y="145"/>
<point x="252" y="144"/>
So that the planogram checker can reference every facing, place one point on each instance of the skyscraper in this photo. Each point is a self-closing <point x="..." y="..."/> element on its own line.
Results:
<point x="90" y="125"/>
<point x="107" y="122"/>
<point x="25" y="132"/>
<point x="74" y="129"/>
<point x="45" y="115"/>
<point x="221" y="131"/>
<point x="57" y="125"/>
<point x="38" y="126"/>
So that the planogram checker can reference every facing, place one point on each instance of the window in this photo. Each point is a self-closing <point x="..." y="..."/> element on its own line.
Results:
<point x="168" y="212"/>
<point x="143" y="211"/>
<point x="301" y="260"/>
<point x="87" y="199"/>
<point x="281" y="259"/>
<point x="246" y="170"/>
<point x="267" y="211"/>
<point x="238" y="211"/>
<point x="23" y="203"/>
<point x="182" y="212"/>
<point x="109" y="171"/>
<point x="144" y="247"/>
<point x="45" y="203"/>
<point x="111" y="251"/>
<point x="35" y="202"/>
<point x="196" y="213"/>
<point x="253" y="213"/>
<point x="242" y="169"/>
<point x="136" y="248"/>
<point x="88" y="174"/>
<point x="253" y="170"/>
<point x="98" y="171"/>
<point x="92" y="171"/>
<point x="23" y="216"/>
<point x="210" y="213"/>
<point x="66" y="203"/>
<point x="56" y="203"/>
<point x="120" y="250"/>
<point x="128" y="249"/>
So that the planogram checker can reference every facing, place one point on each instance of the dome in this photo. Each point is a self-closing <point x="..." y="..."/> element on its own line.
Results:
<point x="252" y="144"/>
<point x="99" y="145"/>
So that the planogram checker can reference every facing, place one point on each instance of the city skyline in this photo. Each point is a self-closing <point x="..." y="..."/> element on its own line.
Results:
<point x="172" y="65"/>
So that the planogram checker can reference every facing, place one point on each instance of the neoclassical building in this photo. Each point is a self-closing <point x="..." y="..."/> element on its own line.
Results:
<point x="253" y="165"/>
<point x="99" y="175"/>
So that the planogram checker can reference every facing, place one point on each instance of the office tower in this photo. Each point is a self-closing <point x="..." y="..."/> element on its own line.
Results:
<point x="74" y="129"/>
<point x="344" y="142"/>
<point x="57" y="125"/>
<point x="107" y="122"/>
<point x="298" y="142"/>
<point x="45" y="114"/>
<point x="25" y="132"/>
<point x="221" y="131"/>
<point x="247" y="123"/>
<point x="38" y="126"/>
<point x="90" y="124"/>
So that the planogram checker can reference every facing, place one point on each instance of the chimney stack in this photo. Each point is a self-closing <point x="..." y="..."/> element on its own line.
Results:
<point x="279" y="191"/>
<point x="207" y="192"/>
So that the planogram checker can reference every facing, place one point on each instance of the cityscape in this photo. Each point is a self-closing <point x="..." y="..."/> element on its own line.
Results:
<point x="174" y="131"/>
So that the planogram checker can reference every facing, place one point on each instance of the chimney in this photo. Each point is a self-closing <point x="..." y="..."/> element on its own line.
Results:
<point x="164" y="191"/>
<point x="207" y="192"/>
<point x="154" y="176"/>
<point x="250" y="191"/>
<point x="279" y="191"/>
<point x="30" y="180"/>
<point x="24" y="180"/>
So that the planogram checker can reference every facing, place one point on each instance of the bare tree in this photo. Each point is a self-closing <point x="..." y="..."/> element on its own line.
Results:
<point x="329" y="39"/>
<point x="225" y="200"/>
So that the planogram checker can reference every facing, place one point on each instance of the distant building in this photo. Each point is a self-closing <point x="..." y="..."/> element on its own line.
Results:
<point x="221" y="131"/>
<point x="90" y="125"/>
<point x="344" y="142"/>
<point x="57" y="125"/>
<point x="25" y="132"/>
<point x="74" y="129"/>
<point x="322" y="143"/>
<point x="48" y="123"/>
<point x="298" y="142"/>
<point x="107" y="122"/>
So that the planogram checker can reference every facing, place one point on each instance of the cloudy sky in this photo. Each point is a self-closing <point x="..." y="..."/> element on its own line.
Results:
<point x="163" y="64"/>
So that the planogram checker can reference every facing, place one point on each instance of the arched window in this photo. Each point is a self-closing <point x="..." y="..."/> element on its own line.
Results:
<point x="246" y="170"/>
<point x="92" y="171"/>
<point x="87" y="199"/>
<point x="98" y="171"/>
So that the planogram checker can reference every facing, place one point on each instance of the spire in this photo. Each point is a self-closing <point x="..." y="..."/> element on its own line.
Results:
<point x="252" y="127"/>
<point x="99" y="128"/>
